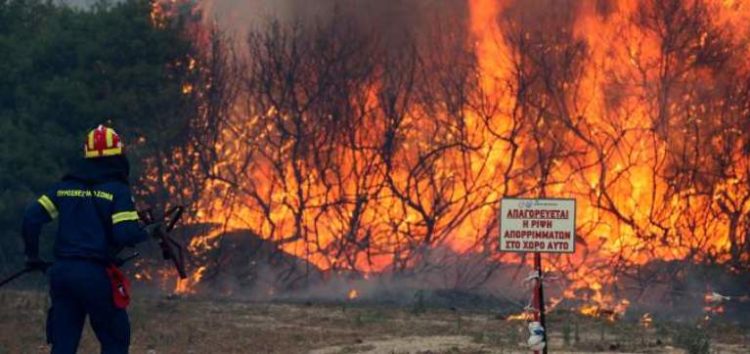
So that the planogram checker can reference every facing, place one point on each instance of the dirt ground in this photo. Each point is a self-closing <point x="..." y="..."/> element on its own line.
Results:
<point x="193" y="325"/>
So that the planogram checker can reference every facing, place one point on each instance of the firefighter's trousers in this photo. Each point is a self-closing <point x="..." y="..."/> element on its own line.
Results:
<point x="81" y="288"/>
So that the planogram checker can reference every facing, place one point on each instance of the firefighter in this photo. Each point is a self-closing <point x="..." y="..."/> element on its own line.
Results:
<point x="97" y="218"/>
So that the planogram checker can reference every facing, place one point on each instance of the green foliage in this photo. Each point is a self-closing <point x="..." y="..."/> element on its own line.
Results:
<point x="567" y="331"/>
<point x="65" y="70"/>
<point x="418" y="306"/>
<point x="693" y="339"/>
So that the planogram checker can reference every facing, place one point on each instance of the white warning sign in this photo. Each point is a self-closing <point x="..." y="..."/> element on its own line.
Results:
<point x="538" y="225"/>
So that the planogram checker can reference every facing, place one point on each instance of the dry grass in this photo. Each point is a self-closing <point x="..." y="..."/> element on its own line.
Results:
<point x="220" y="326"/>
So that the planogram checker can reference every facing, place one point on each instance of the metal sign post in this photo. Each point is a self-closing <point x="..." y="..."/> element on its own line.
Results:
<point x="538" y="226"/>
<point x="539" y="298"/>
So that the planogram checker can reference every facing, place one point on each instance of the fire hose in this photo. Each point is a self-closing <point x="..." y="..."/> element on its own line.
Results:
<point x="43" y="266"/>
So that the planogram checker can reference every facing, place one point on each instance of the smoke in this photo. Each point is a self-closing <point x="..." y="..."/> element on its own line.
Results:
<point x="391" y="18"/>
<point x="255" y="269"/>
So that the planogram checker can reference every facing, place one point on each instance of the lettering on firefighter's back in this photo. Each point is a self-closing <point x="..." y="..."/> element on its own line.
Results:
<point x="79" y="193"/>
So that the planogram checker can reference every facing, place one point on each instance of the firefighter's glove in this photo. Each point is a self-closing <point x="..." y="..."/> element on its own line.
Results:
<point x="154" y="230"/>
<point x="34" y="263"/>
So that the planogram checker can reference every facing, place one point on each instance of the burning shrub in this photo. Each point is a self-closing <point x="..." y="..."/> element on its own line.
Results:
<point x="361" y="152"/>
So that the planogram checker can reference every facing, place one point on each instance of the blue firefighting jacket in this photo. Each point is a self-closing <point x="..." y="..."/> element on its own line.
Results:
<point x="96" y="213"/>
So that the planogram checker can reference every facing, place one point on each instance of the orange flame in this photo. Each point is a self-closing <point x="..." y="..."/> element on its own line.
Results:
<point x="621" y="119"/>
<point x="646" y="320"/>
<point x="187" y="285"/>
<point x="523" y="316"/>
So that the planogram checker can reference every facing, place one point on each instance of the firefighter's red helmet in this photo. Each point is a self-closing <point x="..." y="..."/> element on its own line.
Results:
<point x="102" y="141"/>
